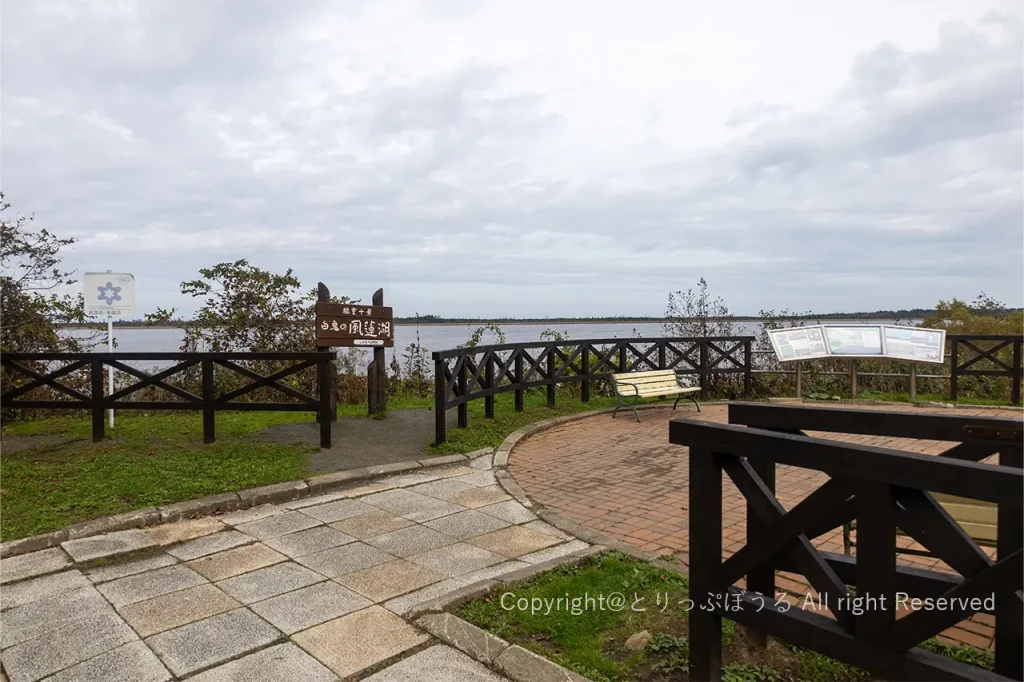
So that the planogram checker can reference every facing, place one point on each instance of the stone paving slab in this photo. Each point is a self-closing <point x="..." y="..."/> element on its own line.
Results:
<point x="132" y="662"/>
<point x="481" y="479"/>
<point x="31" y="590"/>
<point x="442" y="489"/>
<point x="217" y="542"/>
<point x="466" y="524"/>
<point x="436" y="663"/>
<point x="309" y="606"/>
<point x="175" y="609"/>
<point x="102" y="574"/>
<point x="408" y="541"/>
<point x="232" y="562"/>
<point x="281" y="524"/>
<point x="554" y="552"/>
<point x="268" y="582"/>
<point x="33" y="564"/>
<point x="376" y="522"/>
<point x="336" y="511"/>
<point x="510" y="511"/>
<point x="279" y="663"/>
<point x="480" y="497"/>
<point x="413" y="506"/>
<point x="180" y="531"/>
<point x="82" y="638"/>
<point x="388" y="580"/>
<point x="526" y="666"/>
<point x="489" y="572"/>
<point x="204" y="643"/>
<point x="143" y="586"/>
<point x="39" y="617"/>
<point x="454" y="560"/>
<point x="309" y="541"/>
<point x="403" y="604"/>
<point x="514" y="541"/>
<point x="359" y="640"/>
<point x="237" y="518"/>
<point x="339" y="560"/>
<point x="108" y="545"/>
<point x="414" y="478"/>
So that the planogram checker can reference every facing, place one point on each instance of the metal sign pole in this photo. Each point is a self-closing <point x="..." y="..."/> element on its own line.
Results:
<point x="110" y="369"/>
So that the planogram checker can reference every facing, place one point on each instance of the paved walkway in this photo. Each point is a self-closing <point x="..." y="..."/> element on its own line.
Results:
<point x="309" y="591"/>
<point x="626" y="481"/>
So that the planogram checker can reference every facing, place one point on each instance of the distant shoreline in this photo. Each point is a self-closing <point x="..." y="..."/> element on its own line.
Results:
<point x="540" y="323"/>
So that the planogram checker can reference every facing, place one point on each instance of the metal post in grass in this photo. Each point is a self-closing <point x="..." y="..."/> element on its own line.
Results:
<point x="96" y="375"/>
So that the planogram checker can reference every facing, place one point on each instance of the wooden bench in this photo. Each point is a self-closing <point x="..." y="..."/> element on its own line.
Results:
<point x="630" y="387"/>
<point x="976" y="517"/>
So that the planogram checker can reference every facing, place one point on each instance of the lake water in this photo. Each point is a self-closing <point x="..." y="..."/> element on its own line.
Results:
<point x="441" y="336"/>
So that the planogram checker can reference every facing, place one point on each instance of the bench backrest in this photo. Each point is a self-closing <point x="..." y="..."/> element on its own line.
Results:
<point x="661" y="378"/>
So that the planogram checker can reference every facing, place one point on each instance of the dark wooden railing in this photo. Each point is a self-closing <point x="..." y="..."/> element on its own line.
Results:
<point x="18" y="368"/>
<point x="475" y="372"/>
<point x="983" y="361"/>
<point x="883" y="490"/>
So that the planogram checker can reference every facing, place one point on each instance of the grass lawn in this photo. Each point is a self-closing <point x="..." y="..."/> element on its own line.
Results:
<point x="592" y="642"/>
<point x="146" y="460"/>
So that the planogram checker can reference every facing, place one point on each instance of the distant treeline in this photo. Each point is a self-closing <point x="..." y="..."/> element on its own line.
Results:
<point x="915" y="313"/>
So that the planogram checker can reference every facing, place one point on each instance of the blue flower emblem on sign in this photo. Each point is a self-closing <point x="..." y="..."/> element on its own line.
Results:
<point x="109" y="293"/>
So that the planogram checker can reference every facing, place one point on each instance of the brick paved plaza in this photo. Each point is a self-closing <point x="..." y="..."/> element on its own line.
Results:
<point x="626" y="481"/>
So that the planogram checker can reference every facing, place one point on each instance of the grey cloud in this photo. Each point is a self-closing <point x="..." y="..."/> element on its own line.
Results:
<point x="197" y="132"/>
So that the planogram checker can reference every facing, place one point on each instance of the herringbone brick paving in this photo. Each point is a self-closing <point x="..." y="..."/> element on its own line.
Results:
<point x="626" y="481"/>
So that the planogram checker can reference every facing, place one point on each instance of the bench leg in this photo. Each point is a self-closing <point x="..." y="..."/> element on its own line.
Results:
<point x="696" y="404"/>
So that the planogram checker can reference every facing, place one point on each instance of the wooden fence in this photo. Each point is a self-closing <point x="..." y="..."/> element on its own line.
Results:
<point x="883" y="490"/>
<point x="482" y="372"/>
<point x="23" y="379"/>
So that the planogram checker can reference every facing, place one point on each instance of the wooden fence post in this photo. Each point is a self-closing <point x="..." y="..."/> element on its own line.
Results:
<point x="96" y="375"/>
<point x="551" y="377"/>
<point x="876" y="562"/>
<point x="799" y="378"/>
<point x="518" y="375"/>
<point x="953" y="362"/>
<point x="209" y="427"/>
<point x="463" y="408"/>
<point x="326" y="408"/>
<point x="1015" y="380"/>
<point x="440" y="400"/>
<point x="748" y="369"/>
<point x="585" y="370"/>
<point x="853" y="378"/>
<point x="323" y="295"/>
<point x="1009" y="530"/>
<point x="703" y="370"/>
<point x="913" y="381"/>
<point x="705" y="560"/>
<point x="489" y="378"/>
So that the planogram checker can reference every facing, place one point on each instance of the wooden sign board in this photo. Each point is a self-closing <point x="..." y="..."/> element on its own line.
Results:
<point x="348" y="325"/>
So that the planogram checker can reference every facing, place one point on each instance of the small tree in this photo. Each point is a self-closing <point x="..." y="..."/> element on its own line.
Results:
<point x="695" y="313"/>
<point x="247" y="309"/>
<point x="32" y="314"/>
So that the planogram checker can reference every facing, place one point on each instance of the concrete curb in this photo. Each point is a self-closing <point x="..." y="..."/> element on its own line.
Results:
<point x="277" y="492"/>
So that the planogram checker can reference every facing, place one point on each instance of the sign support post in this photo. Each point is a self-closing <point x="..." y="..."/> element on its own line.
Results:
<point x="107" y="294"/>
<point x="913" y="381"/>
<point x="323" y="295"/>
<point x="376" y="375"/>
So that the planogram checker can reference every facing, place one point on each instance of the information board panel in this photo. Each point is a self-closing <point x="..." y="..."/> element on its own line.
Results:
<point x="913" y="343"/>
<point x="798" y="343"/>
<point x="351" y="325"/>
<point x="854" y="341"/>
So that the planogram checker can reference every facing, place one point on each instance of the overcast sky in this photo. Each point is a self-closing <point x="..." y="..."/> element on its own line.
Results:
<point x="529" y="158"/>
